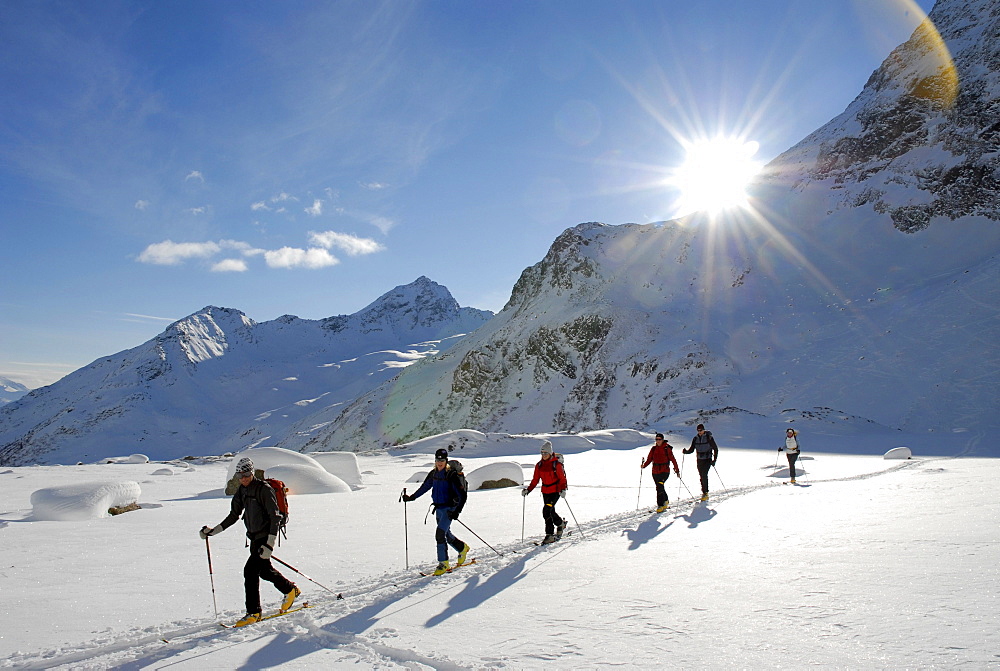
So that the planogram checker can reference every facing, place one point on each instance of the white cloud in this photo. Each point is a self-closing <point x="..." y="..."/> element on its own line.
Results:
<point x="260" y="205"/>
<point x="292" y="257"/>
<point x="374" y="186"/>
<point x="170" y="253"/>
<point x="383" y="224"/>
<point x="141" y="204"/>
<point x="316" y="209"/>
<point x="230" y="266"/>
<point x="195" y="174"/>
<point x="196" y="210"/>
<point x="282" y="197"/>
<point x="351" y="245"/>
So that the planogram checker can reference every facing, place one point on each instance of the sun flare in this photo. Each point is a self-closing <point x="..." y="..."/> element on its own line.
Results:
<point x="715" y="175"/>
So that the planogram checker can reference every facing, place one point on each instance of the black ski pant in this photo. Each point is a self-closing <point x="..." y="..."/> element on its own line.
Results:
<point x="792" y="457"/>
<point x="661" y="490"/>
<point x="704" y="466"/>
<point x="552" y="520"/>
<point x="257" y="568"/>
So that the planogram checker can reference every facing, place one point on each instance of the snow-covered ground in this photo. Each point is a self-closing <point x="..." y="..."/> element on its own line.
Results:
<point x="868" y="563"/>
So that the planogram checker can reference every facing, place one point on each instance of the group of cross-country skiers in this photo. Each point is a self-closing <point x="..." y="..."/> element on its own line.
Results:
<point x="256" y="502"/>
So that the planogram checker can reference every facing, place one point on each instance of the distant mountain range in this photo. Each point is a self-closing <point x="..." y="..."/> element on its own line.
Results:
<point x="10" y="390"/>
<point x="217" y="381"/>
<point x="861" y="290"/>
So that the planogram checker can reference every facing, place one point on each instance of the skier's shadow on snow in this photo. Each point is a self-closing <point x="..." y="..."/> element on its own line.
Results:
<point x="699" y="513"/>
<point x="476" y="592"/>
<point x="645" y="532"/>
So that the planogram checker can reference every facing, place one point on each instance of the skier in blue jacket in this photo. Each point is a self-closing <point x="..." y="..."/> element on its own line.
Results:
<point x="449" y="498"/>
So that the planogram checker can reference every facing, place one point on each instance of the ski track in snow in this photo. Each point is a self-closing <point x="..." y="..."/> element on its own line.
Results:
<point x="348" y="626"/>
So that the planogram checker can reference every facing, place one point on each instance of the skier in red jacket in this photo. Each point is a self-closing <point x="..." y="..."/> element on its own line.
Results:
<point x="553" y="476"/>
<point x="661" y="455"/>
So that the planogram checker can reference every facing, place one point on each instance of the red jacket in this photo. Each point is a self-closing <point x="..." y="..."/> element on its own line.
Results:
<point x="552" y="474"/>
<point x="661" y="456"/>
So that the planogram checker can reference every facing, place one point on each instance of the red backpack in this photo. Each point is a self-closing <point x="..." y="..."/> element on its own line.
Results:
<point x="281" y="494"/>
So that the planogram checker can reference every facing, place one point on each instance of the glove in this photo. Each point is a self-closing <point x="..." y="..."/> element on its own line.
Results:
<point x="677" y="473"/>
<point x="713" y="463"/>
<point x="453" y="515"/>
<point x="267" y="548"/>
<point x="207" y="531"/>
<point x="524" y="491"/>
<point x="408" y="497"/>
<point x="562" y="494"/>
<point x="781" y="449"/>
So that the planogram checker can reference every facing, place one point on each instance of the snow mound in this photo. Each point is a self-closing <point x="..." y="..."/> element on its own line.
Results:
<point x="162" y="471"/>
<point x="898" y="453"/>
<point x="306" y="479"/>
<point x="266" y="458"/>
<point x="497" y="471"/>
<point x="82" y="500"/>
<point x="417" y="477"/>
<point x="137" y="459"/>
<point x="342" y="464"/>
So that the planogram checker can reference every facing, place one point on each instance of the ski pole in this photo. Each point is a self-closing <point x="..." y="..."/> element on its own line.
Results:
<point x="776" y="457"/>
<point x="720" y="478"/>
<point x="211" y="577"/>
<point x="582" y="535"/>
<point x="679" y="478"/>
<point x="339" y="596"/>
<point x="480" y="538"/>
<point x="524" y="503"/>
<point x="406" y="529"/>
<point x="640" y="484"/>
<point x="685" y="487"/>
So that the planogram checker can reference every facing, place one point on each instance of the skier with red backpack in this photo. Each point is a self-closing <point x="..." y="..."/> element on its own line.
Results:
<point x="552" y="475"/>
<point x="256" y="501"/>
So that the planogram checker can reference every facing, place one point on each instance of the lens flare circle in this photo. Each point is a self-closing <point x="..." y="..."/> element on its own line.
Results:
<point x="715" y="174"/>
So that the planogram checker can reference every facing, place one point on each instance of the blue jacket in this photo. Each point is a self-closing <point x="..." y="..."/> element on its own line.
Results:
<point x="446" y="489"/>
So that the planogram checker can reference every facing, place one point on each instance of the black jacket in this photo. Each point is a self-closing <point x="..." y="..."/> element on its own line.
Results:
<point x="259" y="507"/>
<point x="706" y="447"/>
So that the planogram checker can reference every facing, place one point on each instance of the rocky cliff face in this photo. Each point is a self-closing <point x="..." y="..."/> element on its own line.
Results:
<point x="922" y="140"/>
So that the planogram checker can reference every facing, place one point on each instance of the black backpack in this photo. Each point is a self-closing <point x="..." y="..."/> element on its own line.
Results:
<point x="456" y="466"/>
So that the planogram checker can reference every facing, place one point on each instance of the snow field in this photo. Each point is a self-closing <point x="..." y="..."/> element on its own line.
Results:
<point x="869" y="563"/>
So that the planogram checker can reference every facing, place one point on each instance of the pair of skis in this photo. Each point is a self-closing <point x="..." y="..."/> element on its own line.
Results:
<point x="468" y="562"/>
<point x="304" y="605"/>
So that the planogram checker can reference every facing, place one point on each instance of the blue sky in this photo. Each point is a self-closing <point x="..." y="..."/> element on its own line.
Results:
<point x="306" y="157"/>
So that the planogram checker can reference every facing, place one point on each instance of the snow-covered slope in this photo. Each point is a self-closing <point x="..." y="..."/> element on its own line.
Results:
<point x="865" y="564"/>
<point x="862" y="287"/>
<point x="217" y="381"/>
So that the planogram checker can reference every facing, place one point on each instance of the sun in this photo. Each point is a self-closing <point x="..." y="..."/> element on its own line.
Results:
<point x="715" y="175"/>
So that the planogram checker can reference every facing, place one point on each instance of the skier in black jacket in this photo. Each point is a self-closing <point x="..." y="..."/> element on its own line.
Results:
<point x="708" y="452"/>
<point x="256" y="501"/>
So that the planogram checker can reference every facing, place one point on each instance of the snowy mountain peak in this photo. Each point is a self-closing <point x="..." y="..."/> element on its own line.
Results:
<point x="205" y="334"/>
<point x="218" y="381"/>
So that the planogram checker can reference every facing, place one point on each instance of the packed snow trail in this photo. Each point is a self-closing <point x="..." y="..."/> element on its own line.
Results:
<point x="357" y="614"/>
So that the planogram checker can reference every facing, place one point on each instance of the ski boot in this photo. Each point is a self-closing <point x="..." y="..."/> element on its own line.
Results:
<point x="249" y="618"/>
<point x="442" y="568"/>
<point x="704" y="497"/>
<point x="462" y="555"/>
<point x="290" y="598"/>
<point x="560" y="529"/>
<point x="549" y="538"/>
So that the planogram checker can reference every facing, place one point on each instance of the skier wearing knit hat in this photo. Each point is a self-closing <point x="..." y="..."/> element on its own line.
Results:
<point x="552" y="475"/>
<point x="449" y="495"/>
<point x="256" y="502"/>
